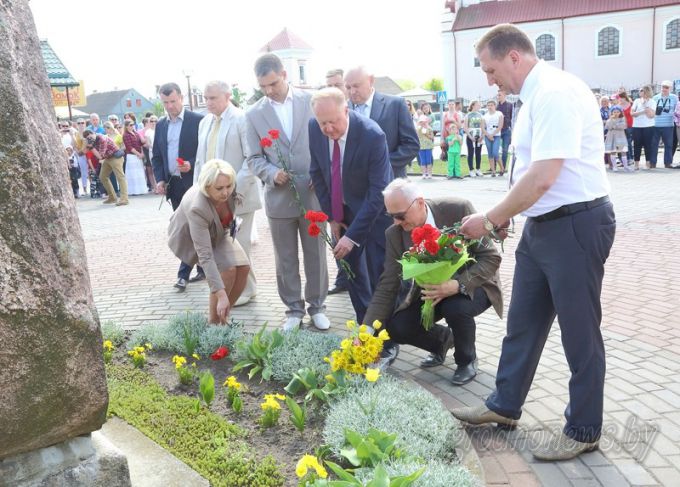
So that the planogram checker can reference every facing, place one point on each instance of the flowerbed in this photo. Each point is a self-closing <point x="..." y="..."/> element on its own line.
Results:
<point x="269" y="409"/>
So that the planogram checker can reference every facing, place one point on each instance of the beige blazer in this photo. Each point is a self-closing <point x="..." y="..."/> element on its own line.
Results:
<point x="394" y="294"/>
<point x="196" y="235"/>
<point x="231" y="147"/>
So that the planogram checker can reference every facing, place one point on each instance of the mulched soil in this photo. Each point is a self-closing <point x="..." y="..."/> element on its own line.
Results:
<point x="283" y="442"/>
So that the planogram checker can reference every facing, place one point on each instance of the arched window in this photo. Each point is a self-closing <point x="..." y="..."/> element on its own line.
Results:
<point x="545" y="47"/>
<point x="673" y="34"/>
<point x="608" y="42"/>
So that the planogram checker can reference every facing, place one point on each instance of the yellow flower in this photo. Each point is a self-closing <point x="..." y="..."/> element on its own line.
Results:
<point x="329" y="378"/>
<point x="108" y="345"/>
<point x="232" y="383"/>
<point x="307" y="462"/>
<point x="346" y="343"/>
<point x="383" y="335"/>
<point x="148" y="346"/>
<point x="351" y="324"/>
<point x="372" y="375"/>
<point x="179" y="361"/>
<point x="363" y="336"/>
<point x="363" y="328"/>
<point x="196" y="356"/>
<point x="377" y="325"/>
<point x="131" y="352"/>
<point x="327" y="360"/>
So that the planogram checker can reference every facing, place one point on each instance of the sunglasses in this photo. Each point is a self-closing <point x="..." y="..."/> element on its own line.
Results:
<point x="401" y="216"/>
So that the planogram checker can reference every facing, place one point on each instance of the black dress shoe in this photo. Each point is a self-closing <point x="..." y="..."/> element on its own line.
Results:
<point x="181" y="284"/>
<point x="435" y="359"/>
<point x="432" y="360"/>
<point x="198" y="277"/>
<point x="464" y="374"/>
<point x="337" y="290"/>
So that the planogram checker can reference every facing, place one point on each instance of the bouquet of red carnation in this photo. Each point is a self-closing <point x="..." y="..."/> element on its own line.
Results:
<point x="316" y="217"/>
<point x="434" y="258"/>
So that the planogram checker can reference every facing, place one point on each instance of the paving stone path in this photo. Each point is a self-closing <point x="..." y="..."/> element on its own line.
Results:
<point x="132" y="272"/>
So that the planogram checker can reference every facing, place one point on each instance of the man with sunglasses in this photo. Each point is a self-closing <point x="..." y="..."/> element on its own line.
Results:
<point x="459" y="300"/>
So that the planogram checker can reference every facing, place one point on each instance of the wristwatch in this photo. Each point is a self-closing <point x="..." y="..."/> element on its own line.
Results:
<point x="462" y="289"/>
<point x="488" y="226"/>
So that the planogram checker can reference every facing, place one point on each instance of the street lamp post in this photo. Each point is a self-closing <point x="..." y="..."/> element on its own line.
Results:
<point x="187" y="73"/>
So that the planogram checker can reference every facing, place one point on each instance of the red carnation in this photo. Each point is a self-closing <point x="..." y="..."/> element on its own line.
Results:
<point x="220" y="353"/>
<point x="316" y="216"/>
<point x="430" y="232"/>
<point x="431" y="246"/>
<point x="274" y="134"/>
<point x="314" y="230"/>
<point x="180" y="161"/>
<point x="417" y="235"/>
<point x="265" y="142"/>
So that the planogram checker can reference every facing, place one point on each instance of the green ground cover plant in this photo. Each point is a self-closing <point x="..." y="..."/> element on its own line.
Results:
<point x="205" y="441"/>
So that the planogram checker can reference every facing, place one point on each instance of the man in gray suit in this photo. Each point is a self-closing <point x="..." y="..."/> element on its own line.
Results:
<point x="390" y="112"/>
<point x="222" y="135"/>
<point x="288" y="110"/>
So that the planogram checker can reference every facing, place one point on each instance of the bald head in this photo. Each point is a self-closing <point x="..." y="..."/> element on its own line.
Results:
<point x="359" y="84"/>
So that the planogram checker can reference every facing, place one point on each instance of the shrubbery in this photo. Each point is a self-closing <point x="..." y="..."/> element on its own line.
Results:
<point x="436" y="474"/>
<point x="423" y="427"/>
<point x="301" y="349"/>
<point x="114" y="332"/>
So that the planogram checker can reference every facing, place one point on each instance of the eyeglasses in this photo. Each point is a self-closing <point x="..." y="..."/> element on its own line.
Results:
<point x="401" y="216"/>
<point x="153" y="121"/>
<point x="81" y="123"/>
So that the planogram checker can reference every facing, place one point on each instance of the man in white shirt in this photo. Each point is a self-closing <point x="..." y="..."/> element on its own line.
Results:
<point x="559" y="182"/>
<point x="288" y="111"/>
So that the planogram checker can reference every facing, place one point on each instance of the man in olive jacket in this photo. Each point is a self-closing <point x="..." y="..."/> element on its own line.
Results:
<point x="467" y="294"/>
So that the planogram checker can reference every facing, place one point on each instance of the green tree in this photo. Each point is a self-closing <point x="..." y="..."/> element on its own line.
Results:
<point x="434" y="84"/>
<point x="406" y="84"/>
<point x="158" y="109"/>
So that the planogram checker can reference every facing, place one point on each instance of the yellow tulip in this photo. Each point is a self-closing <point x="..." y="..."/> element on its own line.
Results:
<point x="372" y="375"/>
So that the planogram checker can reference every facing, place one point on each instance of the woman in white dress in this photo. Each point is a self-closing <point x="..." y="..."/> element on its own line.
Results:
<point x="134" y="161"/>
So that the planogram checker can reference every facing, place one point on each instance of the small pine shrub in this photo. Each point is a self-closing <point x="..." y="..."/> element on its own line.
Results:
<point x="423" y="427"/>
<point x="114" y="332"/>
<point x="300" y="349"/>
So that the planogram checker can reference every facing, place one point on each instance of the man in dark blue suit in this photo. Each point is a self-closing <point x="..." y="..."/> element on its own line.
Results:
<point x="175" y="141"/>
<point x="390" y="112"/>
<point x="349" y="168"/>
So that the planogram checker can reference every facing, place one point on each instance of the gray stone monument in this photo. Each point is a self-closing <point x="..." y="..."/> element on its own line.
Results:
<point x="52" y="383"/>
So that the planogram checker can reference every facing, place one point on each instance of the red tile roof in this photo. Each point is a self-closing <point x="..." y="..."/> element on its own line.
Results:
<point x="488" y="14"/>
<point x="285" y="40"/>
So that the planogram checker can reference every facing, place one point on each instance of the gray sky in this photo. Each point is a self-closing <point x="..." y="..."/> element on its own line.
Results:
<point x="125" y="43"/>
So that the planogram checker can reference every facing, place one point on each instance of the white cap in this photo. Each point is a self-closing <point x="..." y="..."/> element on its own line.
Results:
<point x="667" y="82"/>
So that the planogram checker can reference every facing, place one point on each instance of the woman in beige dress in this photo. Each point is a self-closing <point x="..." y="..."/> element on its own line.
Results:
<point x="203" y="231"/>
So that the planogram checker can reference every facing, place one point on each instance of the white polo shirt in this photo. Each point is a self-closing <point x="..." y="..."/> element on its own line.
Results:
<point x="560" y="119"/>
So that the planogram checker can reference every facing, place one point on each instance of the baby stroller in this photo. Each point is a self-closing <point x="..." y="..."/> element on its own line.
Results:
<point x="95" y="185"/>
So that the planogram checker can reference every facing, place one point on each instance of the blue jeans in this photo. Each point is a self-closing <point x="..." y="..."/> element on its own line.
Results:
<point x="665" y="134"/>
<point x="493" y="146"/>
<point x="506" y="136"/>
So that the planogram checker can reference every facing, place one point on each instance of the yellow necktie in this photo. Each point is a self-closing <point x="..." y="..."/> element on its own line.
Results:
<point x="212" y="139"/>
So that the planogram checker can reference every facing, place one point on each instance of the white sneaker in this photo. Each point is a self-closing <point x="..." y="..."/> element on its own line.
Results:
<point x="242" y="300"/>
<point x="479" y="173"/>
<point x="291" y="323"/>
<point x="472" y="174"/>
<point x="321" y="321"/>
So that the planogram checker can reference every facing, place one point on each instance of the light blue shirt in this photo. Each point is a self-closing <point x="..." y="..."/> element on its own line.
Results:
<point x="668" y="108"/>
<point x="174" y="131"/>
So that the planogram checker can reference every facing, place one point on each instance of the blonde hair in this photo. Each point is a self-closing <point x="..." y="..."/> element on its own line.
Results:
<point x="213" y="169"/>
<point x="330" y="93"/>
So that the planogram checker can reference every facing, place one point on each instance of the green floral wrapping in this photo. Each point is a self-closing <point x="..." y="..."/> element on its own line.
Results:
<point x="431" y="273"/>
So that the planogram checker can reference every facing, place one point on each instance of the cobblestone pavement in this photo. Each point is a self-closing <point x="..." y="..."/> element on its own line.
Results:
<point x="132" y="272"/>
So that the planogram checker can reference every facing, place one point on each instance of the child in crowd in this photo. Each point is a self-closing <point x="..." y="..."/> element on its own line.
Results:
<point x="454" y="140"/>
<point x="73" y="170"/>
<point x="96" y="187"/>
<point x="615" y="141"/>
<point x="426" y="139"/>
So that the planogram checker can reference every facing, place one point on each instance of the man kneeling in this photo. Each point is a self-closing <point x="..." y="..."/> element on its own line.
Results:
<point x="467" y="294"/>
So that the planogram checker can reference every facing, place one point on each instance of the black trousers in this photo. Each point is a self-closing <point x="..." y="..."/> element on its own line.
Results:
<point x="459" y="311"/>
<point x="475" y="151"/>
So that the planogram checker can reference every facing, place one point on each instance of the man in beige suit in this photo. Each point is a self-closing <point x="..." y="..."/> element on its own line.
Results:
<point x="222" y="135"/>
<point x="288" y="110"/>
<point x="467" y="294"/>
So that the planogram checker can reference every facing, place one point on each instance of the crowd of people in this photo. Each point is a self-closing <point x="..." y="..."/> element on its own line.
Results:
<point x="110" y="160"/>
<point x="341" y="153"/>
